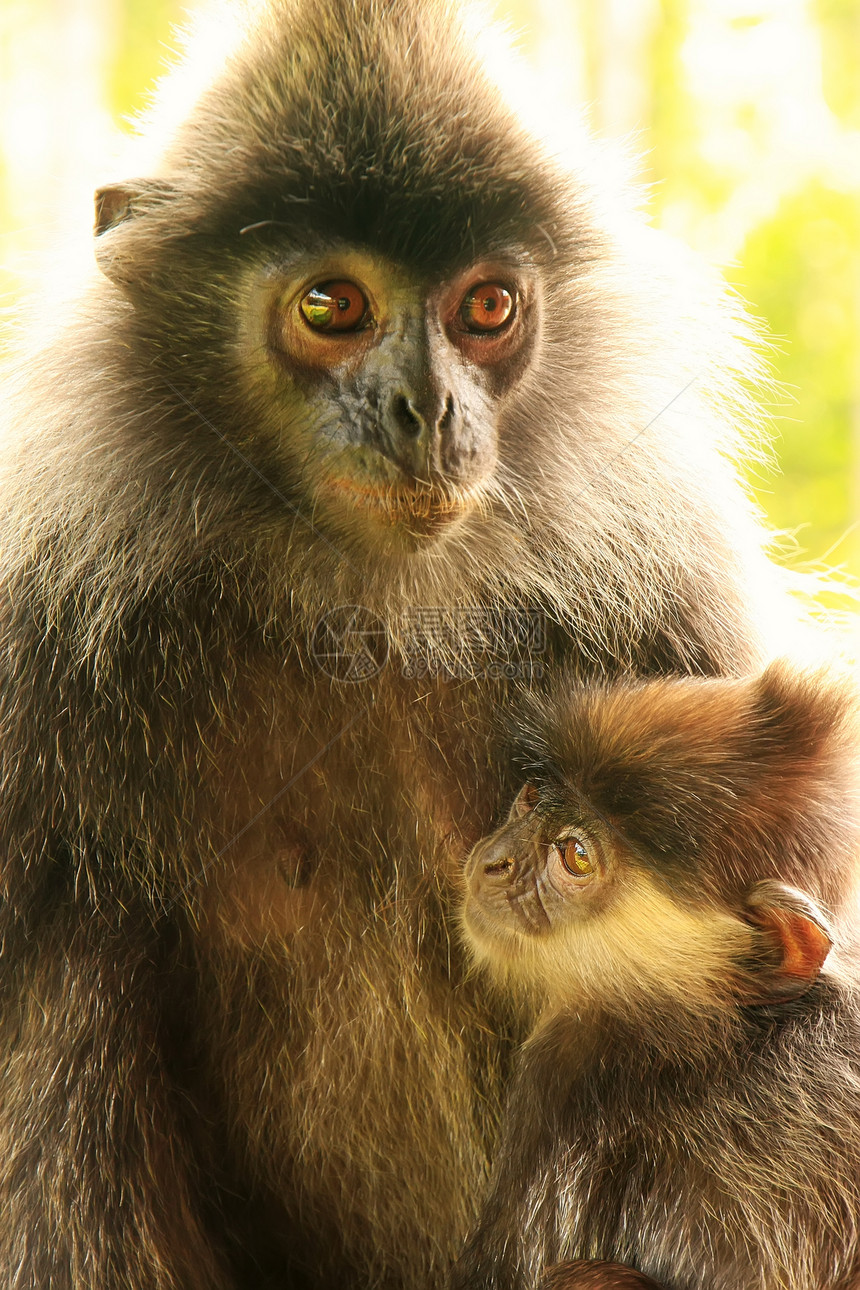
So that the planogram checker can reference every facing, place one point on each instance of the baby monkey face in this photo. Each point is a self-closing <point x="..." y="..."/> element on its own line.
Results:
<point x="559" y="903"/>
<point x="537" y="872"/>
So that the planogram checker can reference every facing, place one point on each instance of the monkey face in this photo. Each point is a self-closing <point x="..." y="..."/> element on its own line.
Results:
<point x="390" y="386"/>
<point x="559" y="906"/>
<point x="368" y="386"/>
<point x="536" y="874"/>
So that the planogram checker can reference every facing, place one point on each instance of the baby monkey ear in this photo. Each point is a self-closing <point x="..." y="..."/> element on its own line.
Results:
<point x="797" y="940"/>
<point x="526" y="800"/>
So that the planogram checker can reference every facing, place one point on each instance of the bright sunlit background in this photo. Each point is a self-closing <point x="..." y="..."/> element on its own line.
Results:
<point x="747" y="116"/>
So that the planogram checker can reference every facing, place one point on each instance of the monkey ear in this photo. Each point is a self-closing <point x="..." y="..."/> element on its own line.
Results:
<point x="117" y="208"/>
<point x="526" y="800"/>
<point x="798" y="939"/>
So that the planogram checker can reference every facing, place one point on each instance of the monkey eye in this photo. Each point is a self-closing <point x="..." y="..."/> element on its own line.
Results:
<point x="334" y="306"/>
<point x="486" y="307"/>
<point x="574" y="856"/>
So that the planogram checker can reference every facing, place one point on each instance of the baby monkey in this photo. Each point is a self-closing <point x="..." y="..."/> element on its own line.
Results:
<point x="686" y="1110"/>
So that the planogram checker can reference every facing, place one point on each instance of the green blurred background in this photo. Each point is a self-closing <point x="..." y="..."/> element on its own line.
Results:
<point x="746" y="116"/>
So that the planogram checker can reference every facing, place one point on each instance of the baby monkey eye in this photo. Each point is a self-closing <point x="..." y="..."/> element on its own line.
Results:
<point x="574" y="856"/>
<point x="486" y="307"/>
<point x="334" y="306"/>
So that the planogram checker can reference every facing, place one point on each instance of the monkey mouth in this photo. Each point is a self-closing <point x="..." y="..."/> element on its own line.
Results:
<point x="423" y="509"/>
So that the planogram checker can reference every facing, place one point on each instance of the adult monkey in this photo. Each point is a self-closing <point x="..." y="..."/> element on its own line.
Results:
<point x="361" y="340"/>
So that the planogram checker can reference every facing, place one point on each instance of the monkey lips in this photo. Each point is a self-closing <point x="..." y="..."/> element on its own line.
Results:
<point x="420" y="511"/>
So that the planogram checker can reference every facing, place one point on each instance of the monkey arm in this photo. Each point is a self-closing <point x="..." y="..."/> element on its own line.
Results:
<point x="96" y="1181"/>
<point x="509" y="1244"/>
<point x="516" y="1235"/>
<point x="529" y="1220"/>
<point x="488" y="1262"/>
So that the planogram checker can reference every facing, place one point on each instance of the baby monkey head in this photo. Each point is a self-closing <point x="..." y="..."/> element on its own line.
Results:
<point x="677" y="840"/>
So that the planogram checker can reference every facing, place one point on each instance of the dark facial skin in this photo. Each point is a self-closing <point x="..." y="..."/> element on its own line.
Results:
<point x="403" y="382"/>
<point x="536" y="872"/>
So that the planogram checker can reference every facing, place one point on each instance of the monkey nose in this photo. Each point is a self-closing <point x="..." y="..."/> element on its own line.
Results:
<point x="500" y="867"/>
<point x="406" y="417"/>
<point x="412" y="419"/>
<point x="413" y="429"/>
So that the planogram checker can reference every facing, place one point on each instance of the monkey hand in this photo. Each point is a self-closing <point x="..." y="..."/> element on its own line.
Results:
<point x="594" y="1274"/>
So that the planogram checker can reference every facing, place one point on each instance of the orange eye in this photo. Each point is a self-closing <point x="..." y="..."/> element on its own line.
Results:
<point x="334" y="306"/>
<point x="487" y="307"/>
<point x="574" y="856"/>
